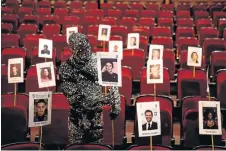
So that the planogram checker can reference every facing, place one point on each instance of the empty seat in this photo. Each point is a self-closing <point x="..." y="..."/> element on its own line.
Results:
<point x="23" y="146"/>
<point x="207" y="33"/>
<point x="189" y="85"/>
<point x="91" y="5"/>
<point x="120" y="31"/>
<point x="149" y="22"/>
<point x="13" y="4"/>
<point x="185" y="22"/>
<point x="6" y="28"/>
<point x="152" y="6"/>
<point x="29" y="4"/>
<point x="166" y="22"/>
<point x="183" y="43"/>
<point x="49" y="19"/>
<point x="149" y="13"/>
<point x="161" y="88"/>
<point x="95" y="13"/>
<point x="183" y="7"/>
<point x="93" y="30"/>
<point x="128" y="22"/>
<point x="217" y="16"/>
<point x="147" y="147"/>
<point x="122" y="7"/>
<point x="165" y="14"/>
<point x="88" y="147"/>
<point x="31" y="19"/>
<point x="135" y="59"/>
<point x="41" y="12"/>
<point x="61" y="13"/>
<point x="161" y="32"/>
<point x="218" y="61"/>
<point x="136" y="6"/>
<point x="70" y="20"/>
<point x="59" y="43"/>
<point x="59" y="4"/>
<point x="167" y="42"/>
<point x="169" y="62"/>
<point x="26" y="29"/>
<point x="24" y="11"/>
<point x="22" y="100"/>
<point x="221" y="87"/>
<point x="75" y="5"/>
<point x="108" y="21"/>
<point x="11" y="19"/>
<point x="203" y="23"/>
<point x="114" y="13"/>
<point x="131" y="13"/>
<point x="201" y="15"/>
<point x="142" y="30"/>
<point x="50" y="30"/>
<point x="6" y="10"/>
<point x="89" y="20"/>
<point x="78" y="13"/>
<point x="105" y="7"/>
<point x="183" y="14"/>
<point x="44" y="4"/>
<point x="167" y="7"/>
<point x="10" y="40"/>
<point x="185" y="32"/>
<point x="221" y="27"/>
<point x="35" y="59"/>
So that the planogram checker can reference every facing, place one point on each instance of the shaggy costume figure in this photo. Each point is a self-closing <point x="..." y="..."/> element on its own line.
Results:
<point x="79" y="83"/>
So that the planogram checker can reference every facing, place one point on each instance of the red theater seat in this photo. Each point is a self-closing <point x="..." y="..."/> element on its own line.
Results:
<point x="61" y="13"/>
<point x="60" y="4"/>
<point x="108" y="21"/>
<point x="169" y="62"/>
<point x="161" y="32"/>
<point x="207" y="33"/>
<point x="88" y="147"/>
<point x="29" y="4"/>
<point x="183" y="14"/>
<point x="95" y="13"/>
<point x="89" y="20"/>
<point x="128" y="22"/>
<point x="65" y="54"/>
<point x="70" y="20"/>
<point x="185" y="32"/>
<point x="149" y="14"/>
<point x="114" y="13"/>
<point x="49" y="19"/>
<point x="167" y="7"/>
<point x="22" y="100"/>
<point x="167" y="42"/>
<point x="6" y="28"/>
<point x="78" y="13"/>
<point x="105" y="7"/>
<point x="6" y="10"/>
<point x="218" y="61"/>
<point x="152" y="6"/>
<point x="201" y="15"/>
<point x="121" y="7"/>
<point x="10" y="40"/>
<point x="183" y="43"/>
<point x="41" y="12"/>
<point x="26" y="29"/>
<point x="23" y="146"/>
<point x="221" y="87"/>
<point x="13" y="4"/>
<point x="49" y="30"/>
<point x="221" y="27"/>
<point x="75" y="5"/>
<point x="203" y="23"/>
<point x="165" y="14"/>
<point x="217" y="16"/>
<point x="91" y="5"/>
<point x="24" y="11"/>
<point x="11" y="19"/>
<point x="147" y="147"/>
<point x="31" y="19"/>
<point x="132" y="13"/>
<point x="59" y="43"/>
<point x="35" y="59"/>
<point x="44" y="4"/>
<point x="185" y="22"/>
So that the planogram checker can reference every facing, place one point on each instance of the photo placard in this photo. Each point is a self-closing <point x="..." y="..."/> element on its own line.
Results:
<point x="155" y="71"/>
<point x="156" y="52"/>
<point x="133" y="41"/>
<point x="45" y="48"/>
<point x="116" y="46"/>
<point x="70" y="31"/>
<point x="15" y="70"/>
<point x="194" y="57"/>
<point x="104" y="32"/>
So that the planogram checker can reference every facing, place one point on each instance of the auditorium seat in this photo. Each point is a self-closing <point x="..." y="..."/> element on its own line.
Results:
<point x="165" y="14"/>
<point x="6" y="28"/>
<point x="11" y="19"/>
<point x="187" y="85"/>
<point x="199" y="7"/>
<point x="116" y="13"/>
<point x="88" y="147"/>
<point x="161" y="32"/>
<point x="149" y="14"/>
<point x="183" y="43"/>
<point x="185" y="22"/>
<point x="105" y="7"/>
<point x="6" y="87"/>
<point x="65" y="54"/>
<point x="167" y="7"/>
<point x="166" y="109"/>
<point x="44" y="4"/>
<point x="203" y="23"/>
<point x="147" y="21"/>
<point x="78" y="13"/>
<point x="23" y="146"/>
<point x="31" y="42"/>
<point x="41" y="12"/>
<point x="22" y="100"/>
<point x="31" y="19"/>
<point x="50" y="29"/>
<point x="183" y="61"/>
<point x="89" y="20"/>
<point x="59" y="43"/>
<point x="152" y="6"/>
<point x="147" y="147"/>
<point x="61" y="13"/>
<point x="14" y="124"/>
<point x="115" y="37"/>
<point x="108" y="21"/>
<point x="122" y="7"/>
<point x="91" y="5"/>
<point x="218" y="61"/>
<point x="35" y="59"/>
<point x="206" y="32"/>
<point x="128" y="22"/>
<point x="57" y="132"/>
<point x="32" y="77"/>
<point x="48" y="19"/>
<point x="221" y="27"/>
<point x="13" y="4"/>
<point x="136" y="6"/>
<point x="6" y="10"/>
<point x="24" y="11"/>
<point x="166" y="22"/>
<point x="183" y="13"/>
<point x="13" y="52"/>
<point x="217" y="16"/>
<point x="144" y="44"/>
<point x="212" y="44"/>
<point x="169" y="62"/>
<point x="94" y="13"/>
<point x="183" y="7"/>
<point x="120" y="31"/>
<point x="167" y="42"/>
<point x="184" y="32"/>
<point x="209" y="147"/>
<point x="132" y="13"/>
<point x="201" y="15"/>
<point x="59" y="4"/>
<point x="93" y="30"/>
<point x="134" y="58"/>
<point x="119" y="125"/>
<point x="126" y="88"/>
<point x="224" y="36"/>
<point x="221" y="87"/>
<point x="9" y="40"/>
<point x="70" y="20"/>
<point x="161" y="88"/>
<point x="213" y="8"/>
<point x="75" y="5"/>
<point x="26" y="29"/>
<point x="29" y="4"/>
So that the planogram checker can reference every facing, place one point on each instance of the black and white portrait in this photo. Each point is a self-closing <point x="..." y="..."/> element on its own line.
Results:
<point x="15" y="70"/>
<point x="133" y="40"/>
<point x="45" y="48"/>
<point x="70" y="31"/>
<point x="116" y="46"/>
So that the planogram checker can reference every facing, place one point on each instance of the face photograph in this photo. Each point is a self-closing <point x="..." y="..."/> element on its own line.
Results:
<point x="155" y="71"/>
<point x="104" y="31"/>
<point x="15" y="70"/>
<point x="210" y="118"/>
<point x="155" y="54"/>
<point x="46" y="74"/>
<point x="41" y="110"/>
<point x="115" y="48"/>
<point x="150" y="124"/>
<point x="133" y="41"/>
<point x="45" y="50"/>
<point x="194" y="56"/>
<point x="109" y="70"/>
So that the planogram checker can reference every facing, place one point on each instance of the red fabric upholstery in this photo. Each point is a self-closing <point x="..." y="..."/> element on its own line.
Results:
<point x="12" y="19"/>
<point x="183" y="13"/>
<point x="44" y="4"/>
<point x="166" y="22"/>
<point x="128" y="22"/>
<point x="217" y="15"/>
<point x="50" y="30"/>
<point x="49" y="19"/>
<point x="95" y="13"/>
<point x="89" y="20"/>
<point x="114" y="13"/>
<point x="31" y="19"/>
<point x="221" y="27"/>
<point x="61" y="13"/>
<point x="78" y="13"/>
<point x="167" y="7"/>
<point x="65" y="54"/>
<point x="201" y="15"/>
<point x="22" y="146"/>
<point x="221" y="87"/>
<point x="165" y="14"/>
<point x="75" y="5"/>
<point x="60" y="4"/>
<point x="162" y="32"/>
<point x="23" y="11"/>
<point x="41" y="12"/>
<point x="88" y="147"/>
<point x="132" y="13"/>
<point x="35" y="59"/>
<point x="203" y="23"/>
<point x="93" y="30"/>
<point x="149" y="13"/>
<point x="207" y="33"/>
<point x="25" y="29"/>
<point x="13" y="4"/>
<point x="108" y="21"/>
<point x="183" y="43"/>
<point x="167" y="42"/>
<point x="105" y="7"/>
<point x="155" y="147"/>
<point x="218" y="61"/>
<point x="9" y="40"/>
<point x="169" y="62"/>
<point x="120" y="31"/>
<point x="185" y="22"/>
<point x="59" y="43"/>
<point x="185" y="32"/>
<point x="91" y="5"/>
<point x="6" y="10"/>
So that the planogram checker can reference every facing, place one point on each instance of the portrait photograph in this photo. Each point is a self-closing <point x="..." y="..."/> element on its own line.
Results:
<point x="15" y="70"/>
<point x="70" y="31"/>
<point x="156" y="52"/>
<point x="148" y="115"/>
<point x="210" y="118"/>
<point x="46" y="75"/>
<point x="109" y="69"/>
<point x="194" y="57"/>
<point x="40" y="104"/>
<point x="45" y="48"/>
<point x="104" y="32"/>
<point x="155" y="71"/>
<point x="116" y="46"/>
<point x="133" y="40"/>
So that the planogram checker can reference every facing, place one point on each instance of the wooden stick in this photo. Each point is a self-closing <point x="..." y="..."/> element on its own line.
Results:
<point x="212" y="143"/>
<point x="209" y="96"/>
<point x="154" y="92"/>
<point x="151" y="143"/>
<point x="103" y="46"/>
<point x="105" y="91"/>
<point x="113" y="133"/>
<point x="132" y="52"/>
<point x="14" y="100"/>
<point x="40" y="139"/>
<point x="193" y="71"/>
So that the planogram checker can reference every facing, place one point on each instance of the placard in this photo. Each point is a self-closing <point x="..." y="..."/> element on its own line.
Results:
<point x="104" y="32"/>
<point x="133" y="41"/>
<point x="156" y="52"/>
<point x="45" y="48"/>
<point x="70" y="31"/>
<point x="155" y="71"/>
<point x="116" y="46"/>
<point x="194" y="57"/>
<point x="15" y="70"/>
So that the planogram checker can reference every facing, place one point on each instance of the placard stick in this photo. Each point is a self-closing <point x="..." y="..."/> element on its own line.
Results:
<point x="154" y="92"/>
<point x="14" y="99"/>
<point x="113" y="133"/>
<point x="151" y="143"/>
<point x="103" y="46"/>
<point x="212" y="143"/>
<point x="132" y="52"/>
<point x="40" y="140"/>
<point x="193" y="71"/>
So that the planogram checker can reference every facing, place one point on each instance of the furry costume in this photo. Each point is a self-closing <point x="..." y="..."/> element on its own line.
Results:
<point x="79" y="83"/>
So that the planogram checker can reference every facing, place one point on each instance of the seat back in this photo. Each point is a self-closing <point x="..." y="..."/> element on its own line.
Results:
<point x="221" y="87"/>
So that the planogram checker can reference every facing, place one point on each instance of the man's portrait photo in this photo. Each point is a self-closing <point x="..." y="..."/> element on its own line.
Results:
<point x="150" y="125"/>
<point x="210" y="118"/>
<point x="155" y="71"/>
<point x="45" y="48"/>
<point x="109" y="73"/>
<point x="70" y="31"/>
<point x="116" y="46"/>
<point x="156" y="52"/>
<point x="15" y="70"/>
<point x="46" y="74"/>
<point x="148" y="118"/>
<point x="133" y="40"/>
<point x="40" y="108"/>
<point x="104" y="32"/>
<point x="109" y="69"/>
<point x="194" y="57"/>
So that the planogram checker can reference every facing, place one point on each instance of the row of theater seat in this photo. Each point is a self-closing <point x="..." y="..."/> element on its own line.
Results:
<point x="57" y="132"/>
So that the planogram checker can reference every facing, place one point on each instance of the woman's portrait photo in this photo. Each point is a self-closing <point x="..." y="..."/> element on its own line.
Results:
<point x="155" y="71"/>
<point x="194" y="57"/>
<point x="133" y="40"/>
<point x="40" y="108"/>
<point x="45" y="48"/>
<point x="210" y="118"/>
<point x="15" y="70"/>
<point x="116" y="46"/>
<point x="109" y="70"/>
<point x="70" y="31"/>
<point x="104" y="32"/>
<point x="46" y="75"/>
<point x="155" y="52"/>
